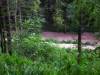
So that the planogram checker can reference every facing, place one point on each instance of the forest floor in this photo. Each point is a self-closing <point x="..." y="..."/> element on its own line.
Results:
<point x="89" y="40"/>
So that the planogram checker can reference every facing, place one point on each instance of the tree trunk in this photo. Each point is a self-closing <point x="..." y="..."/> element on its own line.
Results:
<point x="80" y="37"/>
<point x="79" y="45"/>
<point x="9" y="29"/>
<point x="3" y="33"/>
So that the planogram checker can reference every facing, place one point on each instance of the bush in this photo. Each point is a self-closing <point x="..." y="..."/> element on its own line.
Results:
<point x="45" y="54"/>
<point x="59" y="20"/>
<point x="34" y="24"/>
<point x="49" y="60"/>
<point x="15" y="65"/>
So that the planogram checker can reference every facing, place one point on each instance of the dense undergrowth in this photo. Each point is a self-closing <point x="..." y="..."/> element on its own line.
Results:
<point x="32" y="56"/>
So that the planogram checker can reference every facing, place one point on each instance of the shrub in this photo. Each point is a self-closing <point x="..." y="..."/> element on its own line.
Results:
<point x="49" y="60"/>
<point x="58" y="20"/>
<point x="15" y="65"/>
<point x="46" y="59"/>
<point x="34" y="24"/>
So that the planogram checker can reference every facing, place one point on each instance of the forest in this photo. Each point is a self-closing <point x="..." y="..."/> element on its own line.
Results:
<point x="49" y="37"/>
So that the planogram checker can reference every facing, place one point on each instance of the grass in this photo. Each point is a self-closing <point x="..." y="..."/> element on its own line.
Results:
<point x="33" y="56"/>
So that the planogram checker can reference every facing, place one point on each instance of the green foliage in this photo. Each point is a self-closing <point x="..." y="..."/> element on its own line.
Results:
<point x="29" y="7"/>
<point x="86" y="12"/>
<point x="83" y="13"/>
<point x="44" y="59"/>
<point x="58" y="15"/>
<point x="36" y="6"/>
<point x="49" y="60"/>
<point x="15" y="65"/>
<point x="34" y="25"/>
<point x="67" y="15"/>
<point x="33" y="56"/>
<point x="58" y="19"/>
<point x="96" y="14"/>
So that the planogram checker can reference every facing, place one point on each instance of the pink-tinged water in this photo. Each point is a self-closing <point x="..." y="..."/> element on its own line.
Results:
<point x="86" y="37"/>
